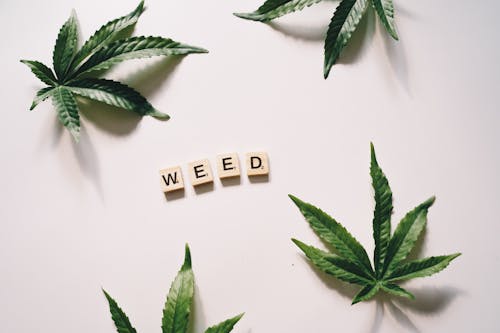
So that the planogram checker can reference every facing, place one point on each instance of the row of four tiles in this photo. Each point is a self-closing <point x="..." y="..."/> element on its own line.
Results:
<point x="200" y="172"/>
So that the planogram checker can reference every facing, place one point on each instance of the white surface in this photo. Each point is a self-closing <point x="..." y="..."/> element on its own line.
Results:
<point x="78" y="217"/>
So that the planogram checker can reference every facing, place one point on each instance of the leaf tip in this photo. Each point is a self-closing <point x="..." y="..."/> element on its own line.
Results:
<point x="394" y="34"/>
<point x="300" y="245"/>
<point x="105" y="293"/>
<point x="326" y="72"/>
<point x="187" y="258"/>
<point x="140" y="7"/>
<point x="196" y="49"/>
<point x="239" y="316"/>
<point x="327" y="65"/>
<point x="246" y="16"/>
<point x="295" y="200"/>
<point x="26" y="62"/>
<point x="429" y="202"/>
<point x="72" y="16"/>
<point x="355" y="301"/>
<point x="373" y="156"/>
<point x="158" y="115"/>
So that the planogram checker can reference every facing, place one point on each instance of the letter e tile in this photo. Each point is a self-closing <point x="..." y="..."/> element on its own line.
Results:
<point x="200" y="172"/>
<point x="228" y="165"/>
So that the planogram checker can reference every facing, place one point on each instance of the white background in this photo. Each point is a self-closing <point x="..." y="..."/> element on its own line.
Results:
<point x="78" y="217"/>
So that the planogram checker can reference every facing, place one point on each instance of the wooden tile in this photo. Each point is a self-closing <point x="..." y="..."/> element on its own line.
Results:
<point x="257" y="164"/>
<point x="200" y="172"/>
<point x="228" y="165"/>
<point x="171" y="179"/>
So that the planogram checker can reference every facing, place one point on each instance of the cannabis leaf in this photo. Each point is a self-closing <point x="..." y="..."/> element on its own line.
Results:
<point x="177" y="307"/>
<point x="343" y="23"/>
<point x="351" y="264"/>
<point x="73" y="68"/>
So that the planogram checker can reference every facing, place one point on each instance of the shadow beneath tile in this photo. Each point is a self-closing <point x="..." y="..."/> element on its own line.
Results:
<point x="232" y="181"/>
<point x="259" y="179"/>
<point x="204" y="188"/>
<point x="175" y="195"/>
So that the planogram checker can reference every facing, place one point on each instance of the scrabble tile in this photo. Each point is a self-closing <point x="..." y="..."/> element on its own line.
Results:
<point x="257" y="164"/>
<point x="228" y="165"/>
<point x="200" y="172"/>
<point x="171" y="179"/>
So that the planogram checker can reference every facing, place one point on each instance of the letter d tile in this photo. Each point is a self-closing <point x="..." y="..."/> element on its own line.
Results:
<point x="257" y="164"/>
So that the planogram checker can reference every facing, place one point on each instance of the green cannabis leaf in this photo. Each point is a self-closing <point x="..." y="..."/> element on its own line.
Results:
<point x="351" y="263"/>
<point x="343" y="23"/>
<point x="101" y="51"/>
<point x="177" y="307"/>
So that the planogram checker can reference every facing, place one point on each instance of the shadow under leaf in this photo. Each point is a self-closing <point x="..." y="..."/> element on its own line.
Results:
<point x="360" y="39"/>
<point x="88" y="160"/>
<point x="402" y="318"/>
<point x="310" y="34"/>
<point x="343" y="288"/>
<point x="397" y="58"/>
<point x="430" y="300"/>
<point x="197" y="320"/>
<point x="109" y="118"/>
<point x="149" y="80"/>
<point x="379" y="315"/>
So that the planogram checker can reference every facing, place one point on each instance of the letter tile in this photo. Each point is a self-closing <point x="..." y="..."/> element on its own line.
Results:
<point x="228" y="165"/>
<point x="257" y="164"/>
<point x="200" y="172"/>
<point x="171" y="179"/>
